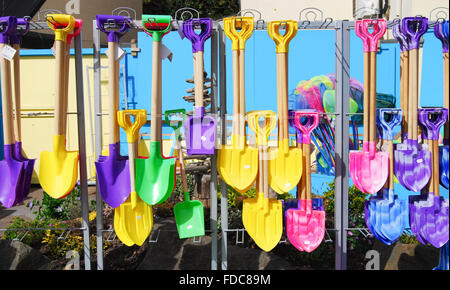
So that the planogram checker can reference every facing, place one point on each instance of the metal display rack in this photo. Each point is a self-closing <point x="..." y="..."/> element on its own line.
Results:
<point x="342" y="30"/>
<point x="22" y="232"/>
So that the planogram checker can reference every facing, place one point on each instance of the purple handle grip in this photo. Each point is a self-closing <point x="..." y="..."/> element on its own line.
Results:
<point x="291" y="115"/>
<point x="441" y="32"/>
<point x="8" y="26"/>
<point x="23" y="22"/>
<point x="312" y="123"/>
<point x="414" y="28"/>
<point x="198" y="40"/>
<point x="386" y="127"/>
<point x="370" y="40"/>
<point x="113" y="36"/>
<point x="401" y="38"/>
<point x="431" y="127"/>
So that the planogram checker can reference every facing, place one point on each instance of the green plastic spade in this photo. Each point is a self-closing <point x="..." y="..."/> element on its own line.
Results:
<point x="155" y="175"/>
<point x="189" y="214"/>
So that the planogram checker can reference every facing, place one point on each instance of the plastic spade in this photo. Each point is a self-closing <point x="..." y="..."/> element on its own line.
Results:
<point x="263" y="216"/>
<point x="390" y="214"/>
<point x="58" y="169"/>
<point x="134" y="216"/>
<point x="155" y="175"/>
<point x="432" y="221"/>
<point x="285" y="166"/>
<point x="369" y="169"/>
<point x="200" y="130"/>
<point x="189" y="214"/>
<point x="237" y="163"/>
<point x="28" y="164"/>
<point x="113" y="170"/>
<point x="11" y="169"/>
<point x="413" y="160"/>
<point x="443" y="258"/>
<point x="441" y="31"/>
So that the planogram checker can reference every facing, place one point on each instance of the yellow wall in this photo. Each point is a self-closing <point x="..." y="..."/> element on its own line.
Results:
<point x="37" y="90"/>
<point x="37" y="95"/>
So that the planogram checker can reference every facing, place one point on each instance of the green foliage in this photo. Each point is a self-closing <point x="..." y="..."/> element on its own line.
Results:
<point x="214" y="9"/>
<point x="65" y="208"/>
<point x="32" y="237"/>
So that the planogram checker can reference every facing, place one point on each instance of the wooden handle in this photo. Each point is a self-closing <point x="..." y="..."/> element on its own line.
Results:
<point x="373" y="97"/>
<point x="182" y="169"/>
<point x="307" y="149"/>
<point x="301" y="187"/>
<point x="391" y="163"/>
<point x="413" y="92"/>
<point x="65" y="70"/>
<point x="282" y="83"/>
<point x="113" y="87"/>
<point x="198" y="79"/>
<point x="265" y="169"/>
<point x="17" y="117"/>
<point x="366" y="104"/>
<point x="242" y="92"/>
<point x="404" y="89"/>
<point x="236" y="119"/>
<point x="435" y="164"/>
<point x="446" y="93"/>
<point x="8" y="137"/>
<point x="59" y="88"/>
<point x="156" y="94"/>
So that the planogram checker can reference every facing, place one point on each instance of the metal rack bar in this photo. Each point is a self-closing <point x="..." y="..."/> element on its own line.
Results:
<point x="98" y="138"/>
<point x="342" y="53"/>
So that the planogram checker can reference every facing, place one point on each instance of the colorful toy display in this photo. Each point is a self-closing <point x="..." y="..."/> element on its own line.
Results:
<point x="133" y="184"/>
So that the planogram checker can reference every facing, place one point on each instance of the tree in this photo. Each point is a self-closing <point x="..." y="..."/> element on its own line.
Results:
<point x="215" y="9"/>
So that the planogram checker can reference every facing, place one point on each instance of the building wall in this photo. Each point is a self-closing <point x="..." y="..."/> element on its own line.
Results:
<point x="88" y="9"/>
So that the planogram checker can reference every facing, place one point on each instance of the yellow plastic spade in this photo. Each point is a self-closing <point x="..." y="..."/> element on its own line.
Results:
<point x="58" y="170"/>
<point x="133" y="219"/>
<point x="263" y="216"/>
<point x="285" y="165"/>
<point x="237" y="163"/>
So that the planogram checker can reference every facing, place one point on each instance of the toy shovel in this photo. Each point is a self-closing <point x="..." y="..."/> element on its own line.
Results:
<point x="11" y="169"/>
<point x="28" y="164"/>
<point x="431" y="215"/>
<point x="200" y="130"/>
<point x="285" y="166"/>
<point x="189" y="214"/>
<point x="113" y="170"/>
<point x="388" y="214"/>
<point x="305" y="226"/>
<point x="263" y="216"/>
<point x="369" y="169"/>
<point x="58" y="169"/>
<point x="237" y="164"/>
<point x="134" y="217"/>
<point x="155" y="175"/>
<point x="441" y="31"/>
<point x="413" y="160"/>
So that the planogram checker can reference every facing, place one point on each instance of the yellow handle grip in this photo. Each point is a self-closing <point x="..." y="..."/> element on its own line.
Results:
<point x="61" y="24"/>
<point x="132" y="129"/>
<point x="238" y="39"/>
<point x="282" y="41"/>
<point x="262" y="133"/>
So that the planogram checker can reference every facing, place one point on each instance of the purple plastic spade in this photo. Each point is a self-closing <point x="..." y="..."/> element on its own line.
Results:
<point x="11" y="169"/>
<point x="200" y="130"/>
<point x="386" y="214"/>
<point x="113" y="175"/>
<point x="28" y="164"/>
<point x="431" y="216"/>
<point x="412" y="161"/>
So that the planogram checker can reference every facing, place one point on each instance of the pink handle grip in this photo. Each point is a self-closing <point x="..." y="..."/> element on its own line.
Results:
<point x="370" y="40"/>
<point x="313" y="122"/>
